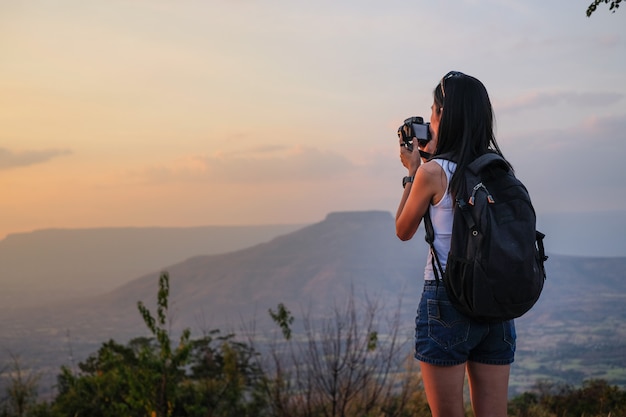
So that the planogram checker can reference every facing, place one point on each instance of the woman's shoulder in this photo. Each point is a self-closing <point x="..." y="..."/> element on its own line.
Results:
<point x="433" y="178"/>
<point x="432" y="168"/>
<point x="445" y="164"/>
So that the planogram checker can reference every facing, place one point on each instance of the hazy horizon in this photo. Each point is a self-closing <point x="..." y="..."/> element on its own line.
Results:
<point x="595" y="234"/>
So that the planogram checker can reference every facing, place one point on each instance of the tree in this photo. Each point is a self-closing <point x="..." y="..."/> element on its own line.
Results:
<point x="21" y="392"/>
<point x="348" y="364"/>
<point x="214" y="376"/>
<point x="614" y="5"/>
<point x="596" y="398"/>
<point x="140" y="379"/>
<point x="106" y="385"/>
<point x="224" y="379"/>
<point x="166" y="367"/>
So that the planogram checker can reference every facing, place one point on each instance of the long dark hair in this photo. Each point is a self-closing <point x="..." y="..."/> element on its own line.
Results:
<point x="466" y="126"/>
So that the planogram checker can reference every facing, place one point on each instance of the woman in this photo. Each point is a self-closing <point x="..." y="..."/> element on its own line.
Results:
<point x="448" y="343"/>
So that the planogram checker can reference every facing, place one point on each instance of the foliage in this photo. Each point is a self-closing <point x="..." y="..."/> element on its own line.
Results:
<point x="140" y="379"/>
<point x="21" y="393"/>
<point x="164" y="370"/>
<point x="350" y="364"/>
<point x="149" y="377"/>
<point x="596" y="398"/>
<point x="224" y="379"/>
<point x="283" y="318"/>
<point x="614" y="5"/>
<point x="341" y="367"/>
<point x="111" y="382"/>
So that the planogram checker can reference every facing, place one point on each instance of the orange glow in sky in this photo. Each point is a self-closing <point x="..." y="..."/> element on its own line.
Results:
<point x="153" y="113"/>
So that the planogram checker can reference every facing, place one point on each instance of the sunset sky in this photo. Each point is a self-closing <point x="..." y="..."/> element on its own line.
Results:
<point x="210" y="112"/>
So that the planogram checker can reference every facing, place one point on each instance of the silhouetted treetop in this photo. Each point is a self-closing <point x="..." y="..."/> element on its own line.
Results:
<point x="613" y="6"/>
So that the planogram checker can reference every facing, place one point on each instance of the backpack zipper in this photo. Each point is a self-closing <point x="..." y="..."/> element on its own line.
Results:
<point x="478" y="187"/>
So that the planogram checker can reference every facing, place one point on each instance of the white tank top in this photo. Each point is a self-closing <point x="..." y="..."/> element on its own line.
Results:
<point x="441" y="215"/>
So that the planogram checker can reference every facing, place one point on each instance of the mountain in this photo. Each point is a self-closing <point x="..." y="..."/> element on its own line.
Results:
<point x="316" y="266"/>
<point x="575" y="331"/>
<point x="58" y="264"/>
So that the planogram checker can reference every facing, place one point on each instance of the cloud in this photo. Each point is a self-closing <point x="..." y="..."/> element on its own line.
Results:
<point x="536" y="100"/>
<point x="267" y="164"/>
<point x="14" y="159"/>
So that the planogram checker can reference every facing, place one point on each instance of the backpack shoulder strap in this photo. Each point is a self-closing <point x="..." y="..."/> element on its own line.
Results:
<point x="430" y="239"/>
<point x="490" y="158"/>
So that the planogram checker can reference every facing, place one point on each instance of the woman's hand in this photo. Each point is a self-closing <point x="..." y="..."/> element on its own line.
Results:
<point x="411" y="160"/>
<point x="431" y="146"/>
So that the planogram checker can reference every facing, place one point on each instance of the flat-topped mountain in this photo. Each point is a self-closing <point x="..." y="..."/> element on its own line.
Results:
<point x="314" y="267"/>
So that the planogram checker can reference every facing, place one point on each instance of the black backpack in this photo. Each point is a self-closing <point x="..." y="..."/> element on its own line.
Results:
<point x="495" y="268"/>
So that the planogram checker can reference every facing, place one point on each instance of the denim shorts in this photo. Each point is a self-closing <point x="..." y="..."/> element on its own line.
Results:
<point x="445" y="337"/>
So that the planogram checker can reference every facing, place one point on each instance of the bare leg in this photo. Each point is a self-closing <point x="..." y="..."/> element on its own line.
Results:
<point x="444" y="389"/>
<point x="489" y="385"/>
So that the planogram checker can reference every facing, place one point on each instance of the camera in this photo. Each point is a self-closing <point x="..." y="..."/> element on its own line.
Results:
<point x="414" y="127"/>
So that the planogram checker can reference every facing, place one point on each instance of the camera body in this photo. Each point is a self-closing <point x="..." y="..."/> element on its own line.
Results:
<point x="414" y="127"/>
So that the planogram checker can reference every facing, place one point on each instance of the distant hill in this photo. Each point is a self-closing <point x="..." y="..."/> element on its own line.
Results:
<point x="576" y="331"/>
<point x="58" y="264"/>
